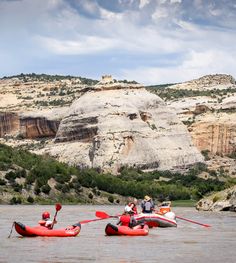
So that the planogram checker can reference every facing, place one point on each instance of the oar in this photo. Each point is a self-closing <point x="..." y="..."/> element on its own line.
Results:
<point x="104" y="215"/>
<point x="191" y="221"/>
<point x="91" y="220"/>
<point x="58" y="207"/>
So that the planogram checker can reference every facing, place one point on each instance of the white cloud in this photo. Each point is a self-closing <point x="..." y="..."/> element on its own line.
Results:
<point x="83" y="45"/>
<point x="175" y="1"/>
<point x="142" y="33"/>
<point x="195" y="65"/>
<point x="160" y="13"/>
<point x="143" y="3"/>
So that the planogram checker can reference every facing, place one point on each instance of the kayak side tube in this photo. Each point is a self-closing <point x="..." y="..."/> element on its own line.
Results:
<point x="27" y="231"/>
<point x="114" y="230"/>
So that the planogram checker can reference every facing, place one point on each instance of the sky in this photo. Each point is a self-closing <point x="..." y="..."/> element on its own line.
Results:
<point x="149" y="41"/>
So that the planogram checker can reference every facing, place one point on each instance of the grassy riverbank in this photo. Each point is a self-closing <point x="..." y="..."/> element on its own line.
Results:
<point x="184" y="203"/>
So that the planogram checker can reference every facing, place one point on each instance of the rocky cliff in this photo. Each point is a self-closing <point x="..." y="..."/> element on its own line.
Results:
<point x="26" y="126"/>
<point x="215" y="133"/>
<point x="9" y="123"/>
<point x="109" y="128"/>
<point x="209" y="111"/>
<point x="220" y="201"/>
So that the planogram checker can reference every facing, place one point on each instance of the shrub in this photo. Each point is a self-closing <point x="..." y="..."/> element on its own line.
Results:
<point x="11" y="176"/>
<point x="90" y="196"/>
<point x="37" y="189"/>
<point x="46" y="189"/>
<point x="65" y="188"/>
<point x="111" y="199"/>
<point x="58" y="186"/>
<point x="62" y="178"/>
<point x="30" y="199"/>
<point x="2" y="181"/>
<point x="4" y="166"/>
<point x="15" y="201"/>
<point x="17" y="187"/>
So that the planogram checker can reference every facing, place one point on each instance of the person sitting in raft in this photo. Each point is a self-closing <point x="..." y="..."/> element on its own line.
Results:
<point x="46" y="221"/>
<point x="147" y="205"/>
<point x="164" y="207"/>
<point x="127" y="218"/>
<point x="133" y="206"/>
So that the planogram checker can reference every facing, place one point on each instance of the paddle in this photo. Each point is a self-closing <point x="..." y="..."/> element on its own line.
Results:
<point x="13" y="224"/>
<point x="58" y="207"/>
<point x="104" y="215"/>
<point x="191" y="221"/>
<point x="91" y="220"/>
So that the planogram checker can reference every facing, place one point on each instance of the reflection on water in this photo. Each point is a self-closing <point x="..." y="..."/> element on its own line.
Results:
<point x="186" y="243"/>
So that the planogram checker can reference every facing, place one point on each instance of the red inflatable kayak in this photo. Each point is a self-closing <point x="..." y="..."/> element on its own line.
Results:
<point x="27" y="231"/>
<point x="115" y="230"/>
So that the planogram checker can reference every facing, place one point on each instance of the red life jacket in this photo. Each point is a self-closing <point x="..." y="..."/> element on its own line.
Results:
<point x="125" y="220"/>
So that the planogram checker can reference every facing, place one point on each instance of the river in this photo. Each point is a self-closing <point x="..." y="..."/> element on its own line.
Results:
<point x="188" y="243"/>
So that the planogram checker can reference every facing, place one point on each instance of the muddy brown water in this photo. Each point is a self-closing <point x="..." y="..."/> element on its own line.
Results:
<point x="188" y="243"/>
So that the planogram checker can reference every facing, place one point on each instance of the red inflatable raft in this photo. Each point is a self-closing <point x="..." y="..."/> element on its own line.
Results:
<point x="27" y="231"/>
<point x="115" y="230"/>
<point x="157" y="220"/>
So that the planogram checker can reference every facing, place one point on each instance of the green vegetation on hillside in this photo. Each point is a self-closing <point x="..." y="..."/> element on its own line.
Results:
<point x="48" y="78"/>
<point x="35" y="172"/>
<point x="169" y="94"/>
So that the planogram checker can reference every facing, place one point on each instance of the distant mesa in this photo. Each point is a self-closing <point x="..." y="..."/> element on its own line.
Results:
<point x="217" y="81"/>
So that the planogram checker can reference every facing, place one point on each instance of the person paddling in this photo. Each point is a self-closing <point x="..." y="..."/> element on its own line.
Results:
<point x="147" y="205"/>
<point x="127" y="218"/>
<point x="46" y="221"/>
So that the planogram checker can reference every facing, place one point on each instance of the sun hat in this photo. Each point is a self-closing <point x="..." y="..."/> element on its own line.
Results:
<point x="147" y="198"/>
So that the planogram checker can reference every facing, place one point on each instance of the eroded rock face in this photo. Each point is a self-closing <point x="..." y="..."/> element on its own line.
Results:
<point x="111" y="128"/>
<point x="32" y="128"/>
<point x="220" y="201"/>
<point x="9" y="123"/>
<point x="215" y="134"/>
<point x="211" y="118"/>
<point x="29" y="127"/>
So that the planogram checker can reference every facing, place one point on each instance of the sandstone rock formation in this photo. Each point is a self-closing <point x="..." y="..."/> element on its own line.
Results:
<point x="215" y="133"/>
<point x="210" y="119"/>
<point x="110" y="127"/>
<point x="218" y="81"/>
<point x="220" y="201"/>
<point x="29" y="125"/>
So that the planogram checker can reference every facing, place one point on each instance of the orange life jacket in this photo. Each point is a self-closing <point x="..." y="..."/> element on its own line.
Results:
<point x="164" y="209"/>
